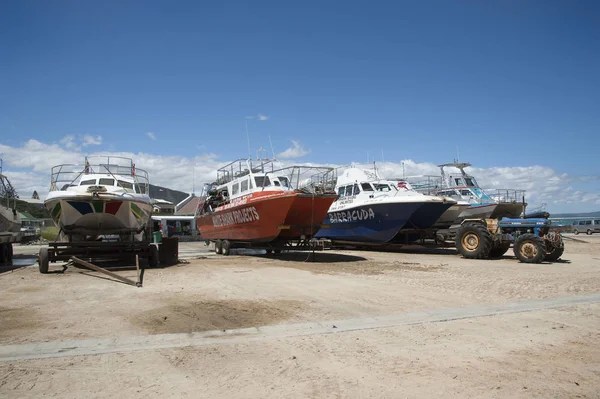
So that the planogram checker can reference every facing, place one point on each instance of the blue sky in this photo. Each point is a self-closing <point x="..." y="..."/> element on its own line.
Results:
<point x="511" y="83"/>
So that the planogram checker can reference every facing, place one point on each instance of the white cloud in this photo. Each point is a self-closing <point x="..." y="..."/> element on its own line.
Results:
<point x="28" y="168"/>
<point x="91" y="140"/>
<point x="295" y="151"/>
<point x="259" y="117"/>
<point x="151" y="135"/>
<point x="68" y="141"/>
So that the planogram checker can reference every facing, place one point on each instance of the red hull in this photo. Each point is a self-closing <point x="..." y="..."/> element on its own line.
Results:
<point x="265" y="217"/>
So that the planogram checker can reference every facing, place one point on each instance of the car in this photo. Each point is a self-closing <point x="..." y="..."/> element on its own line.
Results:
<point x="589" y="226"/>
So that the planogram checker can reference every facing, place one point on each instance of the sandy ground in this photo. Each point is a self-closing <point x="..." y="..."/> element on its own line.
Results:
<point x="542" y="353"/>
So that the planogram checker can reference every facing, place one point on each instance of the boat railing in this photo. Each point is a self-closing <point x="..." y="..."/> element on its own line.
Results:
<point x="427" y="184"/>
<point x="242" y="167"/>
<point x="69" y="175"/>
<point x="506" y="195"/>
<point x="312" y="179"/>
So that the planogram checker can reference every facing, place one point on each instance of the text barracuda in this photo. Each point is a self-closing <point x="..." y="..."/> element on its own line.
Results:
<point x="350" y="216"/>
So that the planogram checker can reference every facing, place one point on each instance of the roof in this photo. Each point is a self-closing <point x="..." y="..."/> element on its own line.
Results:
<point x="173" y="217"/>
<point x="161" y="201"/>
<point x="190" y="207"/>
<point x="27" y="216"/>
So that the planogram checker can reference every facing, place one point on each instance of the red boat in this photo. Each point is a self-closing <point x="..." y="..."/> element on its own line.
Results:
<point x="252" y="204"/>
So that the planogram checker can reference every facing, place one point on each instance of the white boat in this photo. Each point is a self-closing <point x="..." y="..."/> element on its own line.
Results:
<point x="105" y="196"/>
<point x="372" y="209"/>
<point x="464" y="189"/>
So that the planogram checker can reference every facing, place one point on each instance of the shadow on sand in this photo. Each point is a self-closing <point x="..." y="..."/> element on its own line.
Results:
<point x="315" y="257"/>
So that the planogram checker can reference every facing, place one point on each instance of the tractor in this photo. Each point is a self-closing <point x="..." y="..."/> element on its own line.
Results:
<point x="532" y="240"/>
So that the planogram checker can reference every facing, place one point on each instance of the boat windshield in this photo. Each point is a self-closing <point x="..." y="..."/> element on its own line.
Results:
<point x="383" y="187"/>
<point x="284" y="181"/>
<point x="262" y="181"/>
<point x="470" y="182"/>
<point x="480" y="194"/>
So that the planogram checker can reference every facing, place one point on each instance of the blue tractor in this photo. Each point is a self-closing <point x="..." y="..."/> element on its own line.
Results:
<point x="531" y="238"/>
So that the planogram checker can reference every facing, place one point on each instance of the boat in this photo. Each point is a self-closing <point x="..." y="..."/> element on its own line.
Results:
<point x="371" y="209"/>
<point x="254" y="204"/>
<point x="464" y="188"/>
<point x="10" y="221"/>
<point x="106" y="196"/>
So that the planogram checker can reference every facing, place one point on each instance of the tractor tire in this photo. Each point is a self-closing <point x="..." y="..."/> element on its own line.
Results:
<point x="153" y="255"/>
<point x="43" y="260"/>
<point x="499" y="250"/>
<point x="474" y="241"/>
<point x="218" y="247"/>
<point x="226" y="247"/>
<point x="530" y="248"/>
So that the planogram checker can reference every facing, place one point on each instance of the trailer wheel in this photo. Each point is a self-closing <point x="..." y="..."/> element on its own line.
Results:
<point x="226" y="247"/>
<point x="474" y="241"/>
<point x="530" y="248"/>
<point x="219" y="247"/>
<point x="153" y="255"/>
<point x="499" y="249"/>
<point x="44" y="260"/>
<point x="2" y="255"/>
<point x="10" y="251"/>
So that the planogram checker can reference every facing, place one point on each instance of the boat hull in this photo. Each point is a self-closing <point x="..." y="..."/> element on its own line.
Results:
<point x="93" y="216"/>
<point x="449" y="217"/>
<point x="371" y="223"/>
<point x="267" y="217"/>
<point x="427" y="215"/>
<point x="491" y="211"/>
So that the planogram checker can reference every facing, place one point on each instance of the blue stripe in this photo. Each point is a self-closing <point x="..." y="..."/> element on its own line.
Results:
<point x="387" y="220"/>
<point x="82" y="207"/>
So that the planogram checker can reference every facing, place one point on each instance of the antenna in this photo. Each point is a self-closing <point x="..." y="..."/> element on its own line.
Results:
<point x="457" y="157"/>
<point x="248" y="137"/>
<point x="272" y="150"/>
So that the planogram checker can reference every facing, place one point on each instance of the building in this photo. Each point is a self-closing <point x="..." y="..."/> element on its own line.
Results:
<point x="180" y="222"/>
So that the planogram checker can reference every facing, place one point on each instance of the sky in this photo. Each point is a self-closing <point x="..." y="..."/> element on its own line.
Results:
<point x="510" y="86"/>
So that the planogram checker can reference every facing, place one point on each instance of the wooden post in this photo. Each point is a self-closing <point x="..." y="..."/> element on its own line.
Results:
<point x="101" y="270"/>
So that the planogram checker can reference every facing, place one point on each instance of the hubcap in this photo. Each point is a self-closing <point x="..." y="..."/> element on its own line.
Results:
<point x="529" y="250"/>
<point x="470" y="241"/>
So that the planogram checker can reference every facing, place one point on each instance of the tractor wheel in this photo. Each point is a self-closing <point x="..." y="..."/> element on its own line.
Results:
<point x="226" y="247"/>
<point x="575" y="232"/>
<point x="530" y="248"/>
<point x="219" y="247"/>
<point x="555" y="253"/>
<point x="474" y="241"/>
<point x="499" y="249"/>
<point x="44" y="260"/>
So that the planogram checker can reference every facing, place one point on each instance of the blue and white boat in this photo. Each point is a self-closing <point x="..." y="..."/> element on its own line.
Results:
<point x="370" y="209"/>
<point x="464" y="188"/>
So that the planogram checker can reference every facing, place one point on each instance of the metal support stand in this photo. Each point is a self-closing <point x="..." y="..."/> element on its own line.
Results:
<point x="125" y="280"/>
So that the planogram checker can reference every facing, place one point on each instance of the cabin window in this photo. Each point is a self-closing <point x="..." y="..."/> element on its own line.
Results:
<point x="244" y="186"/>
<point x="356" y="189"/>
<point x="262" y="181"/>
<point x="382" y="187"/>
<point x="469" y="182"/>
<point x="276" y="183"/>
<point x="88" y="182"/>
<point x="125" y="184"/>
<point x="366" y="187"/>
<point x="106" y="182"/>
<point x="349" y="191"/>
<point x="341" y="191"/>
<point x="457" y="182"/>
<point x="284" y="181"/>
<point x="235" y="189"/>
<point x="465" y="192"/>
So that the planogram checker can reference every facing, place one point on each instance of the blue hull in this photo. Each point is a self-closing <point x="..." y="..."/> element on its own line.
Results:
<point x="426" y="216"/>
<point x="375" y="223"/>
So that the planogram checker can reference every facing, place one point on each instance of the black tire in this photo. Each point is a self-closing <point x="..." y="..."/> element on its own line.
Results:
<point x="153" y="255"/>
<point x="10" y="252"/>
<point x="589" y="232"/>
<point x="499" y="249"/>
<point x="575" y="232"/>
<point x="44" y="260"/>
<point x="226" y="247"/>
<point x="530" y="248"/>
<point x="474" y="241"/>
<point x="218" y="247"/>
<point x="555" y="253"/>
<point x="2" y="255"/>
